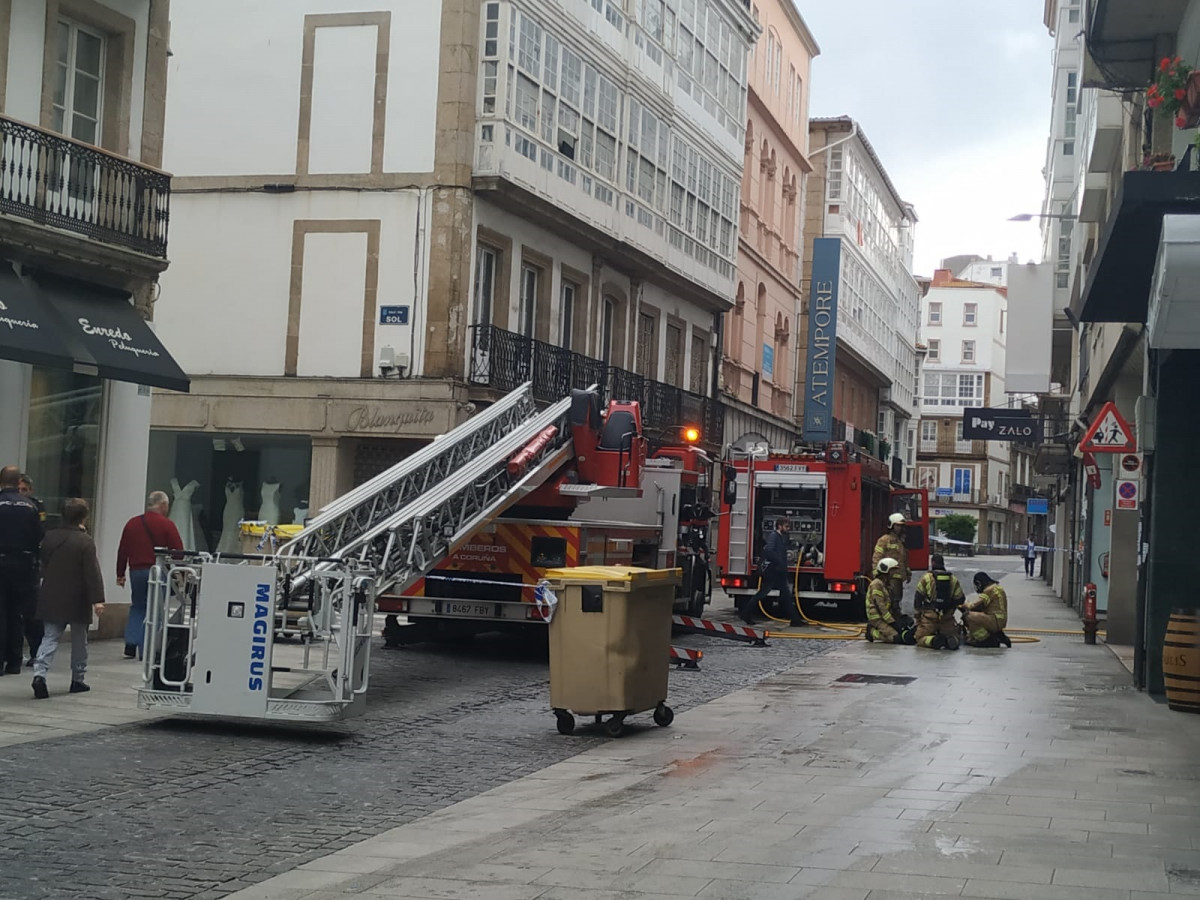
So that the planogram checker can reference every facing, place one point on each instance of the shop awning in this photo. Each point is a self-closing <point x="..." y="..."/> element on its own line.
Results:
<point x="102" y="328"/>
<point x="29" y="329"/>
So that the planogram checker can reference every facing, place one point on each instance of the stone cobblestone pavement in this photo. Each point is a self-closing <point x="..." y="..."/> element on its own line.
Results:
<point x="181" y="809"/>
<point x="1035" y="772"/>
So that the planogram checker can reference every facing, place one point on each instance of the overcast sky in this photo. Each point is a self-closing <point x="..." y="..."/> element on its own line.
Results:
<point x="954" y="95"/>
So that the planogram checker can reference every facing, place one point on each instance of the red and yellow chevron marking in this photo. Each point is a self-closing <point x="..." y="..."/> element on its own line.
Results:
<point x="507" y="550"/>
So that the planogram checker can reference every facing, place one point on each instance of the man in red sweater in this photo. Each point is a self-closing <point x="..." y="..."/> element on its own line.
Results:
<point x="141" y="535"/>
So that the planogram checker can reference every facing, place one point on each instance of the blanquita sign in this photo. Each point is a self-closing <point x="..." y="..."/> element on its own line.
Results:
<point x="373" y="418"/>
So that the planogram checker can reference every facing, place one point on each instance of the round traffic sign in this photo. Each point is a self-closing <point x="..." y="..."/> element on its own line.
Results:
<point x="1127" y="490"/>
<point x="1131" y="463"/>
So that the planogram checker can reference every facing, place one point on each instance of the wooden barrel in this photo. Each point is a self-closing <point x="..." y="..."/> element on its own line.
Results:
<point x="1181" y="660"/>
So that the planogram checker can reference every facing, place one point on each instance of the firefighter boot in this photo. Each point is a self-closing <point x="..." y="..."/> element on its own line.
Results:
<point x="1002" y="638"/>
<point x="908" y="635"/>
<point x="951" y="642"/>
<point x="938" y="642"/>
<point x="867" y="633"/>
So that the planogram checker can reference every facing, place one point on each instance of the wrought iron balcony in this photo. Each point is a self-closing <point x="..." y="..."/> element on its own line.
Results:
<point x="503" y="360"/>
<point x="51" y="180"/>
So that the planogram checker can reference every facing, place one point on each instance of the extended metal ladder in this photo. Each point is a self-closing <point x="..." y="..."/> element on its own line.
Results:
<point x="403" y="522"/>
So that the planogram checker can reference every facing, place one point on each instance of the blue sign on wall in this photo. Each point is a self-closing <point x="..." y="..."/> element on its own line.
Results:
<point x="393" y="315"/>
<point x="768" y="366"/>
<point x="1036" y="507"/>
<point x="822" y="339"/>
<point x="945" y="492"/>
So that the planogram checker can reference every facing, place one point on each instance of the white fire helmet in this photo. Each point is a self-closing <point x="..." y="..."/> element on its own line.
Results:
<point x="897" y="519"/>
<point x="886" y="565"/>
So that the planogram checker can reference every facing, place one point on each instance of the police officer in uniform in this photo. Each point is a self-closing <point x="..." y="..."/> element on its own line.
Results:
<point x="33" y="627"/>
<point x="938" y="595"/>
<point x="985" y="618"/>
<point x="883" y="622"/>
<point x="891" y="546"/>
<point x="20" y="540"/>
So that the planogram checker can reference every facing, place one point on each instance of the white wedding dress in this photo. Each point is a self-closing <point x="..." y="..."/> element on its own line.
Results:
<point x="268" y="510"/>
<point x="182" y="514"/>
<point x="235" y="511"/>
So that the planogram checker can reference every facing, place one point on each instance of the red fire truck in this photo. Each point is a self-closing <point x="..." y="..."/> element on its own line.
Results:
<point x="837" y="500"/>
<point x="659" y="517"/>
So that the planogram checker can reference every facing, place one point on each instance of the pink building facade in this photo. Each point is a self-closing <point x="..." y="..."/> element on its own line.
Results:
<point x="760" y="339"/>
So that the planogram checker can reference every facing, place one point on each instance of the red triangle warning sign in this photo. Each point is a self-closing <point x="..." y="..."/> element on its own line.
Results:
<point x="1110" y="433"/>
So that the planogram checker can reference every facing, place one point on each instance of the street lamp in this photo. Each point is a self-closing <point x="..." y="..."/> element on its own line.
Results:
<point x="1027" y="217"/>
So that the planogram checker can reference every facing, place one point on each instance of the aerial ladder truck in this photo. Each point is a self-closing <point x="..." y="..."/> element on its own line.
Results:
<point x="213" y="622"/>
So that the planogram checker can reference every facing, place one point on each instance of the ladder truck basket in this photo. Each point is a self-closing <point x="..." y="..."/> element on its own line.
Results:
<point x="211" y="640"/>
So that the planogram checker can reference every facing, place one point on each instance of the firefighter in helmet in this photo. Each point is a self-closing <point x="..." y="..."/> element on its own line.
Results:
<point x="883" y="622"/>
<point x="938" y="595"/>
<point x="891" y="546"/>
<point x="984" y="619"/>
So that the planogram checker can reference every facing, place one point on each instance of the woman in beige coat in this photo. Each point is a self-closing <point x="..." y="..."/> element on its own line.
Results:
<point x="72" y="588"/>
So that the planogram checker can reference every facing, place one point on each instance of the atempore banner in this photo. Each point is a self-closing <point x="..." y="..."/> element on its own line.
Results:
<point x="822" y="339"/>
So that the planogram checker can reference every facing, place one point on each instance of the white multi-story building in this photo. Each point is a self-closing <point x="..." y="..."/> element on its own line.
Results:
<point x="391" y="211"/>
<point x="850" y="197"/>
<point x="964" y="328"/>
<point x="986" y="271"/>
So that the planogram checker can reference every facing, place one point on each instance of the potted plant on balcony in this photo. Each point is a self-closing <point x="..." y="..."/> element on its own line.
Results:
<point x="1159" y="162"/>
<point x="1175" y="93"/>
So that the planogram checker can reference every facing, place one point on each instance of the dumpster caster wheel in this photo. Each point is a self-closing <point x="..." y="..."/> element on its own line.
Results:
<point x="566" y="722"/>
<point x="615" y="725"/>
<point x="663" y="715"/>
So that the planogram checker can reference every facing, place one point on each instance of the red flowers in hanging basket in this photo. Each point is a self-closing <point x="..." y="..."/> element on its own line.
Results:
<point x="1176" y="92"/>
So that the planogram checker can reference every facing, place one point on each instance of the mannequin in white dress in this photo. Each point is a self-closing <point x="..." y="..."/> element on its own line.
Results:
<point x="268" y="510"/>
<point x="181" y="512"/>
<point x="235" y="511"/>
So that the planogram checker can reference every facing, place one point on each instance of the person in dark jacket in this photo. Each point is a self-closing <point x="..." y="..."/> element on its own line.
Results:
<point x="20" y="537"/>
<point x="72" y="589"/>
<point x="31" y="624"/>
<point x="773" y="575"/>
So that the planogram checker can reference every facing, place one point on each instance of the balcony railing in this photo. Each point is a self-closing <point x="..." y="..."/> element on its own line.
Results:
<point x="52" y="180"/>
<point x="505" y="360"/>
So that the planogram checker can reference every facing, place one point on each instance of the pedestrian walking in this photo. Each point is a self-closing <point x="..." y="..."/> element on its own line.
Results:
<point x="31" y="625"/>
<point x="138" y="539"/>
<point x="20" y="538"/>
<point x="1030" y="556"/>
<point x="891" y="546"/>
<point x="72" y="590"/>
<point x="773" y="575"/>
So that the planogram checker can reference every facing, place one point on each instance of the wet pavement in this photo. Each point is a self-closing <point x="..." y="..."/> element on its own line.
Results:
<point x="1033" y="772"/>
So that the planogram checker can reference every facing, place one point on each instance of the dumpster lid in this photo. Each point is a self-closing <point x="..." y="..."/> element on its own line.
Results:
<point x="620" y="578"/>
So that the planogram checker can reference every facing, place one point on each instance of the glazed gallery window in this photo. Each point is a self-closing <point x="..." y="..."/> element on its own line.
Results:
<point x="953" y="390"/>
<point x="215" y="480"/>
<point x="64" y="438"/>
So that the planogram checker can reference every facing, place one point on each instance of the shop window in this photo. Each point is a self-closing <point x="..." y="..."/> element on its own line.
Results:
<point x="217" y="480"/>
<point x="64" y="438"/>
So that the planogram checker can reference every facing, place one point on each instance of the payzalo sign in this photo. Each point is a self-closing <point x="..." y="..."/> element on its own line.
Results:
<point x="985" y="424"/>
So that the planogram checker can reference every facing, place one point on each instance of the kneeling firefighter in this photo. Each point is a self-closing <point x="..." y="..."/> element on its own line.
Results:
<point x="883" y="620"/>
<point x="938" y="595"/>
<point x="985" y="618"/>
